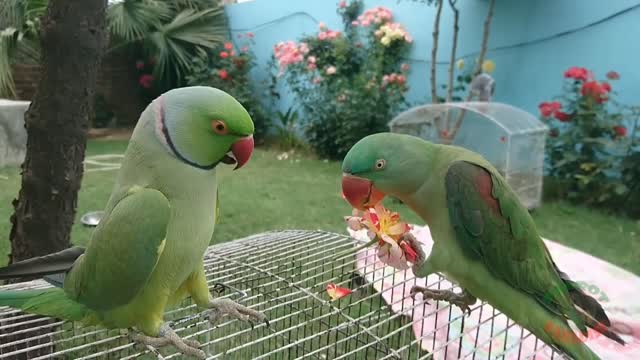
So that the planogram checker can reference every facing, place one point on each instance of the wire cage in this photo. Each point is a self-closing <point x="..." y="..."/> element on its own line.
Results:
<point x="284" y="274"/>
<point x="511" y="139"/>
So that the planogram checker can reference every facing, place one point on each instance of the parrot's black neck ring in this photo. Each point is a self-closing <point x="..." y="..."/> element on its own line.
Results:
<point x="167" y="137"/>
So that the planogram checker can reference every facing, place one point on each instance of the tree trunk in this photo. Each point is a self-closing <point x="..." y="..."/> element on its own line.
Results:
<point x="72" y="39"/>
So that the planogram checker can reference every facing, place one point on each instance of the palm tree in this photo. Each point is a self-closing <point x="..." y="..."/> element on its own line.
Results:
<point x="172" y="32"/>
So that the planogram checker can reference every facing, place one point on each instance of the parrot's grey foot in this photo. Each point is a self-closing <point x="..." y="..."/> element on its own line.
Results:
<point x="221" y="307"/>
<point x="463" y="300"/>
<point x="167" y="337"/>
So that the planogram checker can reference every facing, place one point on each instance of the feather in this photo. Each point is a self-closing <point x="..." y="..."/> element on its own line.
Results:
<point x="55" y="263"/>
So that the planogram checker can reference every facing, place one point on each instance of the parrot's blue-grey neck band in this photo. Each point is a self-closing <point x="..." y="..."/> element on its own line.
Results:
<point x="162" y="125"/>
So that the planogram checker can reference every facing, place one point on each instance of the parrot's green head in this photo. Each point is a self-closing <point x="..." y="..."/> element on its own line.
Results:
<point x="383" y="164"/>
<point x="203" y="126"/>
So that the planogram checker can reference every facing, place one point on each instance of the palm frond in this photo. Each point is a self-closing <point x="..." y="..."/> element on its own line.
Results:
<point x="12" y="13"/>
<point x="133" y="20"/>
<point x="7" y="42"/>
<point x="177" y="42"/>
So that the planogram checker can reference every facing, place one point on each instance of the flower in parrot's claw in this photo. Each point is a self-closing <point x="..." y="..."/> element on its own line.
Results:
<point x="336" y="292"/>
<point x="355" y="220"/>
<point x="386" y="226"/>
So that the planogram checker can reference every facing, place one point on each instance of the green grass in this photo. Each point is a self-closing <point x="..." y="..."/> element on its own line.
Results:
<point x="304" y="193"/>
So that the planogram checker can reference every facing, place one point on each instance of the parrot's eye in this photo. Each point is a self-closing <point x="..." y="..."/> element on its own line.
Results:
<point x="219" y="127"/>
<point x="380" y="164"/>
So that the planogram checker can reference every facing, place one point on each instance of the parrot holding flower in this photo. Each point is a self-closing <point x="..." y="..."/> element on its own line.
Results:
<point x="484" y="239"/>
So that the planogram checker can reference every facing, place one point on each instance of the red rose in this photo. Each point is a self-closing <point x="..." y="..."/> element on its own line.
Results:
<point x="562" y="116"/>
<point x="620" y="131"/>
<point x="238" y="62"/>
<point x="606" y="86"/>
<point x="612" y="75"/>
<point x="577" y="73"/>
<point x="224" y="54"/>
<point x="549" y="108"/>
<point x="228" y="46"/>
<point x="596" y="90"/>
<point x="145" y="81"/>
<point x="223" y="74"/>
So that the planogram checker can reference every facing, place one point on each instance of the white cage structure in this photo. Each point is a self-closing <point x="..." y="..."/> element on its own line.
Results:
<point x="512" y="139"/>
<point x="284" y="274"/>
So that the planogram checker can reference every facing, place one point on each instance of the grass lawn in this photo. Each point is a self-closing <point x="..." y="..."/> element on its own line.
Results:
<point x="303" y="193"/>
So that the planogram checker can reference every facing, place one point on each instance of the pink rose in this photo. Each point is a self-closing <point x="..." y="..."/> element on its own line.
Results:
<point x="322" y="36"/>
<point x="342" y="4"/>
<point x="331" y="70"/>
<point x="404" y="67"/>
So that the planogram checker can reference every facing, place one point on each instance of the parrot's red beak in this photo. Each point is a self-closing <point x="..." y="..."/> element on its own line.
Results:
<point x="360" y="193"/>
<point x="242" y="150"/>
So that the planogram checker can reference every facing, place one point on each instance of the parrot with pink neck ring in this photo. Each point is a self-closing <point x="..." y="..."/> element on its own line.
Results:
<point x="484" y="239"/>
<point x="146" y="254"/>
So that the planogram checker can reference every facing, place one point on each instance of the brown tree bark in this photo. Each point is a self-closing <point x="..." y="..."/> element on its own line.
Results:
<point x="73" y="37"/>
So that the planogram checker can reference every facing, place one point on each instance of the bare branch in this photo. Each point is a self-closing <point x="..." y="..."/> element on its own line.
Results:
<point x="434" y="52"/>
<point x="452" y="59"/>
<point x="478" y="67"/>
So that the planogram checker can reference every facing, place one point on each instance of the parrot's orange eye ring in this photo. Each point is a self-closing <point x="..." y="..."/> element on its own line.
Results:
<point x="380" y="164"/>
<point x="219" y="127"/>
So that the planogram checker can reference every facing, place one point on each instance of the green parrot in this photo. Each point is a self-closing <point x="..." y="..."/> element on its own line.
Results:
<point x="483" y="238"/>
<point x="146" y="254"/>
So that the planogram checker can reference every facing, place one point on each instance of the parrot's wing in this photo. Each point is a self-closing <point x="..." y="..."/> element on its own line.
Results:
<point x="492" y="226"/>
<point x="123" y="251"/>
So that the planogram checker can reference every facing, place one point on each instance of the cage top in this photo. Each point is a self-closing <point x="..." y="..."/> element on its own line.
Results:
<point x="285" y="274"/>
<point x="511" y="119"/>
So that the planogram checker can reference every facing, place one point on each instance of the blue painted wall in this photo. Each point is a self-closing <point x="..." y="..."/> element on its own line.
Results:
<point x="526" y="42"/>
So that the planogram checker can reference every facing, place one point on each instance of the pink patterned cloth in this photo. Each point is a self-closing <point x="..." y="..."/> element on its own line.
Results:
<point x="616" y="289"/>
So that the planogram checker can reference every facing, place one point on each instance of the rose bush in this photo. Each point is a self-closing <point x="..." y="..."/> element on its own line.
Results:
<point x="589" y="143"/>
<point x="348" y="83"/>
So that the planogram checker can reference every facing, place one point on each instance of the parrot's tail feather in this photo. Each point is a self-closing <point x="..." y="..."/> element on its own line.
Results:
<point x="603" y="329"/>
<point x="52" y="302"/>
<point x="587" y="303"/>
<point x="59" y="262"/>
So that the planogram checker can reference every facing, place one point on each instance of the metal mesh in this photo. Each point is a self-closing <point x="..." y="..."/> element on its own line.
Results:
<point x="283" y="274"/>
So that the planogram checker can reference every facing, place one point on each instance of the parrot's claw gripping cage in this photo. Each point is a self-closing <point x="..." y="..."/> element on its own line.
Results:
<point x="284" y="274"/>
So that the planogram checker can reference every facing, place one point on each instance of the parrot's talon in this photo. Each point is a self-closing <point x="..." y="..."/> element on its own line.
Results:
<point x="166" y="337"/>
<point x="220" y="307"/>
<point x="463" y="300"/>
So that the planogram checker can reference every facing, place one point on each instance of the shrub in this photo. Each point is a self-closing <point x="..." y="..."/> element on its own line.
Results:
<point x="589" y="147"/>
<point x="227" y="68"/>
<point x="348" y="84"/>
